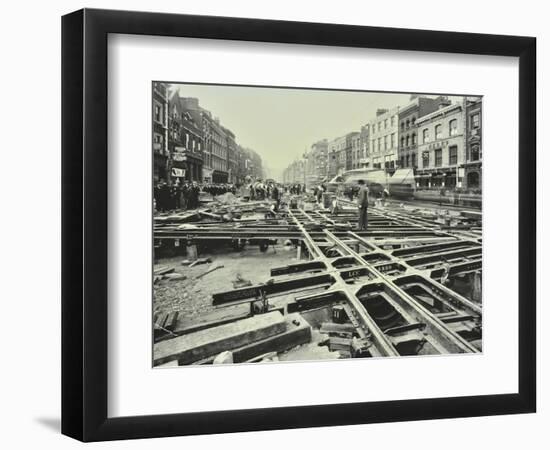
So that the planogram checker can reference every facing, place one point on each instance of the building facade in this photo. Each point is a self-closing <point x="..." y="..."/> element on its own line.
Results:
<point x="337" y="149"/>
<point x="249" y="164"/>
<point x="364" y="143"/>
<point x="232" y="155"/>
<point x="356" y="151"/>
<point x="161" y="154"/>
<point x="295" y="173"/>
<point x="408" y="130"/>
<point x="317" y="163"/>
<point x="472" y="165"/>
<point x="185" y="142"/>
<point x="441" y="147"/>
<point x="351" y="145"/>
<point x="383" y="139"/>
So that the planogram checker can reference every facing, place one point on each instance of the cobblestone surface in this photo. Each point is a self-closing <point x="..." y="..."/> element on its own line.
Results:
<point x="193" y="297"/>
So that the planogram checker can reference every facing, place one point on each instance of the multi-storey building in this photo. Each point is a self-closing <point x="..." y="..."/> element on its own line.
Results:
<point x="232" y="150"/>
<point x="441" y="147"/>
<point x="317" y="163"/>
<point x="408" y="131"/>
<point x="338" y="155"/>
<point x="383" y="138"/>
<point x="161" y="155"/>
<point x="349" y="148"/>
<point x="472" y="165"/>
<point x="364" y="142"/>
<point x="295" y="173"/>
<point x="185" y="141"/>
<point x="218" y="142"/>
<point x="356" y="151"/>
<point x="249" y="163"/>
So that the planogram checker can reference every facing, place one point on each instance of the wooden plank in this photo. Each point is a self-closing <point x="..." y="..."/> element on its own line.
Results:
<point x="163" y="270"/>
<point x="212" y="319"/>
<point x="338" y="343"/>
<point x="202" y="344"/>
<point x="171" y="321"/>
<point x="298" y="333"/>
<point x="329" y="327"/>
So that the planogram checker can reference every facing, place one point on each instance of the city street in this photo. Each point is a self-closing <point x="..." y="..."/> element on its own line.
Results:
<point x="366" y="245"/>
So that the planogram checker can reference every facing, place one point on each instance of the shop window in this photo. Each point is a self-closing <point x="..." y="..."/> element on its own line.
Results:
<point x="473" y="180"/>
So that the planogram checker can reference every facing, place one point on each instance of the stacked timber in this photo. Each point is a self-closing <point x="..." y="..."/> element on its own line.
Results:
<point x="246" y="339"/>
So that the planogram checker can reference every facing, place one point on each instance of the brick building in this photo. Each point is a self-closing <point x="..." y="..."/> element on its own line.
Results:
<point x="441" y="147"/>
<point x="351" y="146"/>
<point x="232" y="150"/>
<point x="185" y="141"/>
<point x="472" y="165"/>
<point x="337" y="151"/>
<point x="364" y="143"/>
<point x="161" y="155"/>
<point x="317" y="163"/>
<point x="408" y="130"/>
<point x="383" y="139"/>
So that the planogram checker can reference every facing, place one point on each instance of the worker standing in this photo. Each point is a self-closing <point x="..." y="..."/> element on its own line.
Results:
<point x="363" y="205"/>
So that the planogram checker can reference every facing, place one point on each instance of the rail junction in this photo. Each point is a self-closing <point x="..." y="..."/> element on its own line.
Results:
<point x="409" y="285"/>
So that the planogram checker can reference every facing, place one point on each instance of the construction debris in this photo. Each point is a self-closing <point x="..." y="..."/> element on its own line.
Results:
<point x="200" y="261"/>
<point x="408" y="285"/>
<point x="202" y="344"/>
<point x="208" y="271"/>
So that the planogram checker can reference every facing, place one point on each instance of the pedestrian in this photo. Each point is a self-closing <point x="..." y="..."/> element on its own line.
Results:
<point x="319" y="193"/>
<point x="194" y="196"/>
<point x="363" y="205"/>
<point x="164" y="197"/>
<point x="275" y="195"/>
<point x="185" y="196"/>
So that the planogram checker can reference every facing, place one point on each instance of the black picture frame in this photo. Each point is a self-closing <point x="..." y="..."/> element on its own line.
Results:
<point x="84" y="224"/>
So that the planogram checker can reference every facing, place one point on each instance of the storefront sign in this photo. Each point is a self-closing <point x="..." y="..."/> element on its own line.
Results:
<point x="178" y="173"/>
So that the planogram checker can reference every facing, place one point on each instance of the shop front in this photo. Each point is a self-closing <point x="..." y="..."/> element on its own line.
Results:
<point x="191" y="167"/>
<point x="219" y="176"/>
<point x="159" y="169"/>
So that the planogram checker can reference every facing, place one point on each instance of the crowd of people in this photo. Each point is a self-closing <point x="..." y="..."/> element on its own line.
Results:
<point x="295" y="189"/>
<point x="186" y="195"/>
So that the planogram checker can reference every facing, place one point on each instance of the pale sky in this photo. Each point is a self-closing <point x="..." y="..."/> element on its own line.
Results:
<point x="280" y="124"/>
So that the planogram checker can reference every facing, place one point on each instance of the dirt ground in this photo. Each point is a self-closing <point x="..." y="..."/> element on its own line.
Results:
<point x="193" y="297"/>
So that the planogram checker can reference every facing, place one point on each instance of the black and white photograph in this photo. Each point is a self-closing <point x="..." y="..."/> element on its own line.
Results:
<point x="298" y="224"/>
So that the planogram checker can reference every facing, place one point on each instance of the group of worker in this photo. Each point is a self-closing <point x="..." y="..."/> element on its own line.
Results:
<point x="186" y="195"/>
